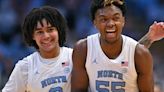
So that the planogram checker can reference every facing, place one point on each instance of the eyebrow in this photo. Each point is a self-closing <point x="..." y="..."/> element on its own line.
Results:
<point x="116" y="14"/>
<point x="40" y="28"/>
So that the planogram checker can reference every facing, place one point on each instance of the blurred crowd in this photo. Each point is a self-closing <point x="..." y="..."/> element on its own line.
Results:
<point x="140" y="15"/>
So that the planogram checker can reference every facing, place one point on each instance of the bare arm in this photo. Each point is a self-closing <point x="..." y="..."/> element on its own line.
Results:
<point x="156" y="32"/>
<point x="146" y="41"/>
<point x="144" y="68"/>
<point x="79" y="80"/>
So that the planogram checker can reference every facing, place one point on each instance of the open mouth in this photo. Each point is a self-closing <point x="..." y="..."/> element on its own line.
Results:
<point x="111" y="33"/>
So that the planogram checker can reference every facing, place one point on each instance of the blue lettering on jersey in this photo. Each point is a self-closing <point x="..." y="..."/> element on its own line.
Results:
<point x="52" y="80"/>
<point x="109" y="73"/>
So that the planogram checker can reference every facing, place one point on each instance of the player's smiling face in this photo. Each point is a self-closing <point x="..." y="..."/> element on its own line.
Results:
<point x="109" y="21"/>
<point x="46" y="36"/>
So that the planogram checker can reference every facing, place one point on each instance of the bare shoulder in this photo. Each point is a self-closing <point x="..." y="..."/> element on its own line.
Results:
<point x="141" y="51"/>
<point x="81" y="44"/>
<point x="80" y="51"/>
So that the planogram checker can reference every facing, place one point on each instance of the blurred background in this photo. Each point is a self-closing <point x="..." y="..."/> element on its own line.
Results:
<point x="140" y="15"/>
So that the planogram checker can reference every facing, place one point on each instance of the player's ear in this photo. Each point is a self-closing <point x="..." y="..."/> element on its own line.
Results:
<point x="94" y="22"/>
<point x="33" y="37"/>
<point x="123" y="21"/>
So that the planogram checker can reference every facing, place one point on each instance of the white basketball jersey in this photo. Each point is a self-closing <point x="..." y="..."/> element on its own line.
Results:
<point x="111" y="75"/>
<point x="50" y="75"/>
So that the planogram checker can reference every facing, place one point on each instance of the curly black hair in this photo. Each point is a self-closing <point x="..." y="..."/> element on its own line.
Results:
<point x="52" y="15"/>
<point x="98" y="4"/>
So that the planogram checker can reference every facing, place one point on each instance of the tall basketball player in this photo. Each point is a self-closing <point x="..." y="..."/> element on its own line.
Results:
<point x="109" y="61"/>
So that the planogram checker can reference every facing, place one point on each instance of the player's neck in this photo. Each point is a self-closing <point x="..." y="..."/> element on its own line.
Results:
<point x="113" y="50"/>
<point x="51" y="54"/>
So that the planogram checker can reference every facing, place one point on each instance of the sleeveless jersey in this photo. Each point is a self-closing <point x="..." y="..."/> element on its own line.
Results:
<point x="49" y="75"/>
<point x="111" y="75"/>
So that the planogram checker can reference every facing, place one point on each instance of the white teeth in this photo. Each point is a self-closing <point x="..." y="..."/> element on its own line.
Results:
<point x="110" y="30"/>
<point x="46" y="42"/>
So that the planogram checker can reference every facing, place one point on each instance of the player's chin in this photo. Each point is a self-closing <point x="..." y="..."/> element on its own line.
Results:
<point x="111" y="41"/>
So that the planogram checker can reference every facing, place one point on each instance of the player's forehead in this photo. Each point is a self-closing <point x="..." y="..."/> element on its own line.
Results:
<point x="108" y="11"/>
<point x="43" y="23"/>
